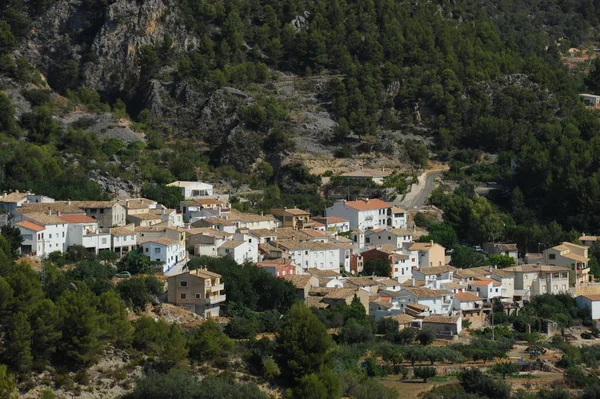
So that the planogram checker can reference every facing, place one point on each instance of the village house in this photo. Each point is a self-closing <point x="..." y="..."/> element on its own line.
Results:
<point x="292" y="217"/>
<point x="216" y="223"/>
<point x="240" y="250"/>
<point x="198" y="208"/>
<point x="278" y="268"/>
<point x="312" y="254"/>
<point x="42" y="234"/>
<point x="373" y="176"/>
<point x="83" y="230"/>
<point x="252" y="221"/>
<point x="368" y="213"/>
<point x="48" y="208"/>
<point x="207" y="243"/>
<point x="588" y="240"/>
<point x="434" y="275"/>
<point x="166" y="251"/>
<point x="107" y="213"/>
<point x="264" y="236"/>
<point x="400" y="265"/>
<point x="333" y="223"/>
<point x="502" y="249"/>
<point x="532" y="280"/>
<point x="395" y="237"/>
<point x="470" y="307"/>
<point x="404" y="320"/>
<point x="486" y="288"/>
<point x="10" y="202"/>
<point x="436" y="301"/>
<point x="363" y="283"/>
<point x="591" y="302"/>
<point x="200" y="291"/>
<point x="570" y="255"/>
<point x="303" y="283"/>
<point x="531" y="258"/>
<point x="505" y="278"/>
<point x="338" y="296"/>
<point x="430" y="253"/>
<point x="193" y="189"/>
<point x="590" y="100"/>
<point x="138" y="205"/>
<point x="124" y="239"/>
<point x="443" y="326"/>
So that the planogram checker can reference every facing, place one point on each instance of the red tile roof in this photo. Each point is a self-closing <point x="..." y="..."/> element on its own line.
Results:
<point x="77" y="219"/>
<point x="365" y="204"/>
<point x="30" y="226"/>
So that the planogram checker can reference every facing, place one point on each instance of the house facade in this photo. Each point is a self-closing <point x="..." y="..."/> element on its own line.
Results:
<point x="365" y="213"/>
<point x="53" y="236"/>
<point x="591" y="302"/>
<point x="165" y="251"/>
<point x="107" y="213"/>
<point x="291" y="217"/>
<point x="395" y="237"/>
<point x="570" y="255"/>
<point x="318" y="255"/>
<point x="200" y="291"/>
<point x="333" y="223"/>
<point x="531" y="280"/>
<point x="430" y="253"/>
<point x="502" y="249"/>
<point x="193" y="189"/>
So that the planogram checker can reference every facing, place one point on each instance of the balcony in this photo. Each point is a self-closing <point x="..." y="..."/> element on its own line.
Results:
<point x="213" y="300"/>
<point x="217" y="288"/>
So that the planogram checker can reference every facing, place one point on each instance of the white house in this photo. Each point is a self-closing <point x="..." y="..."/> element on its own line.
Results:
<point x="83" y="230"/>
<point x="434" y="301"/>
<point x="486" y="288"/>
<point x="199" y="208"/>
<point x="367" y="213"/>
<point x="166" y="251"/>
<point x="207" y="244"/>
<point x="434" y="274"/>
<point x="219" y="224"/>
<point x="591" y="302"/>
<point x="366" y="175"/>
<point x="193" y="189"/>
<point x="241" y="251"/>
<point x="10" y="202"/>
<point x="124" y="239"/>
<point x="333" y="223"/>
<point x="253" y="221"/>
<point x="317" y="255"/>
<point x="502" y="249"/>
<point x="52" y="238"/>
<point x="395" y="237"/>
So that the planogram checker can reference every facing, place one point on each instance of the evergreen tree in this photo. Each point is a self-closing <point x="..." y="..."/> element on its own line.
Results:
<point x="17" y="343"/>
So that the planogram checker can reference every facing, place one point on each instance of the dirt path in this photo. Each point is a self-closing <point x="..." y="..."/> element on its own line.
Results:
<point x="420" y="191"/>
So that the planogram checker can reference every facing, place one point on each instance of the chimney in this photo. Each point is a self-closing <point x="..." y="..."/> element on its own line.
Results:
<point x="58" y="214"/>
<point x="127" y="203"/>
<point x="68" y="202"/>
<point x="431" y="242"/>
<point x="49" y="211"/>
<point x="4" y="194"/>
<point x="413" y="282"/>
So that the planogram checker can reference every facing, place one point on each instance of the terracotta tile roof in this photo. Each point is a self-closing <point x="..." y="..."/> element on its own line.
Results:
<point x="145" y="216"/>
<point x="53" y="207"/>
<point x="212" y="222"/>
<point x="340" y="293"/>
<point x="13" y="197"/>
<point x="263" y="232"/>
<point x="150" y="229"/>
<point x="481" y="283"/>
<point x="366" y="204"/>
<point x="314" y="233"/>
<point x="231" y="244"/>
<point x="305" y="245"/>
<point x="183" y="183"/>
<point x="396" y="209"/>
<point x="402" y="318"/>
<point x="138" y="203"/>
<point x="400" y="232"/>
<point x="331" y="220"/>
<point x="588" y="238"/>
<point x="466" y="297"/>
<point x="452" y="285"/>
<point x="592" y="297"/>
<point x="575" y="257"/>
<point x="121" y="231"/>
<point x="361" y="281"/>
<point x="291" y="211"/>
<point x="316" y="302"/>
<point x="26" y="224"/>
<point x="300" y="281"/>
<point x="323" y="273"/>
<point x="78" y="219"/>
<point x="237" y="216"/>
<point x="506" y="247"/>
<point x="387" y="282"/>
<point x="94" y="204"/>
<point x="380" y="302"/>
<point x="44" y="218"/>
<point x="422" y="246"/>
<point x="570" y="245"/>
<point x="439" y="319"/>
<point x="423" y="292"/>
<point x="532" y="268"/>
<point x="163" y="241"/>
<point x="431" y="270"/>
<point x="204" y="273"/>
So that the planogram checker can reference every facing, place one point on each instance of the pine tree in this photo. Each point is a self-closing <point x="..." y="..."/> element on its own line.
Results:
<point x="17" y="344"/>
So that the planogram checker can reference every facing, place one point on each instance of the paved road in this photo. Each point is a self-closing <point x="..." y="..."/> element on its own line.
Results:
<point x="425" y="192"/>
<point x="421" y="191"/>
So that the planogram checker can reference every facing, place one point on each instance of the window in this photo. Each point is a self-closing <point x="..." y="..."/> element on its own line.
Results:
<point x="104" y="241"/>
<point x="183" y="296"/>
<point x="147" y="249"/>
<point x="156" y="250"/>
<point x="552" y="256"/>
<point x="101" y="210"/>
<point x="183" y="284"/>
<point x="389" y="238"/>
<point x="198" y="296"/>
<point x="305" y="252"/>
<point x="50" y="236"/>
<point x="63" y="234"/>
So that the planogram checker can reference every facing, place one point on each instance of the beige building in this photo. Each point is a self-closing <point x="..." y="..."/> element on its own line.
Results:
<point x="200" y="291"/>
<point x="570" y="255"/>
<point x="138" y="205"/>
<point x="531" y="280"/>
<point x="294" y="218"/>
<point x="107" y="213"/>
<point x="430" y="253"/>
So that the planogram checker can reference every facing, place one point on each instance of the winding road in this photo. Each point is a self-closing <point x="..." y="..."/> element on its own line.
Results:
<point x="421" y="191"/>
